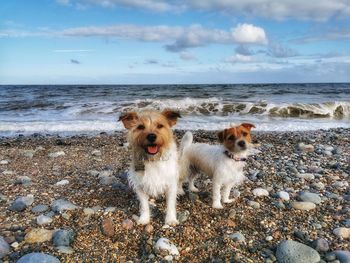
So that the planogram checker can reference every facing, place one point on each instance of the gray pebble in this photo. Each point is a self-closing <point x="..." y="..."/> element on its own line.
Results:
<point x="63" y="237"/>
<point x="290" y="251"/>
<point x="38" y="258"/>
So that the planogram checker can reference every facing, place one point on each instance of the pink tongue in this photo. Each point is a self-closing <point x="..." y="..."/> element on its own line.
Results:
<point x="152" y="149"/>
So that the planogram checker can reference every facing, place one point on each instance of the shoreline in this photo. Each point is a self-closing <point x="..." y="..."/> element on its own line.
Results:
<point x="95" y="167"/>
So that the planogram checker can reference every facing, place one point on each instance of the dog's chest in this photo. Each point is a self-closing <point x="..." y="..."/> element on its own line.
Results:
<point x="156" y="177"/>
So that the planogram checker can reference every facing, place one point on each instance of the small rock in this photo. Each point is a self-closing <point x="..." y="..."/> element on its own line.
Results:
<point x="24" y="180"/>
<point x="330" y="257"/>
<point x="4" y="248"/>
<point x="237" y="237"/>
<point x="21" y="203"/>
<point x="260" y="192"/>
<point x="283" y="195"/>
<point x="88" y="211"/>
<point x="15" y="245"/>
<point x="321" y="245"/>
<point x="254" y="204"/>
<point x="4" y="162"/>
<point x="306" y="176"/>
<point x="303" y="205"/>
<point x="290" y="251"/>
<point x="57" y="154"/>
<point x="38" y="258"/>
<point x="96" y="153"/>
<point x="305" y="147"/>
<point x="38" y="235"/>
<point x="63" y="237"/>
<point x="318" y="185"/>
<point x="7" y="172"/>
<point x="107" y="180"/>
<point x="43" y="220"/>
<point x="310" y="197"/>
<point x="342" y="232"/>
<point x="40" y="209"/>
<point x="61" y="205"/>
<point x="342" y="255"/>
<point x="28" y="153"/>
<point x="127" y="224"/>
<point x="269" y="238"/>
<point x="110" y="209"/>
<point x="65" y="250"/>
<point x="62" y="182"/>
<point x="149" y="228"/>
<point x="94" y="173"/>
<point x="164" y="247"/>
<point x="107" y="227"/>
<point x="183" y="216"/>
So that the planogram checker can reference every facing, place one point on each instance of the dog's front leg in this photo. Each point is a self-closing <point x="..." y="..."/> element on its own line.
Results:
<point x="216" y="194"/>
<point x="170" y="218"/>
<point x="226" y="193"/>
<point x="144" y="207"/>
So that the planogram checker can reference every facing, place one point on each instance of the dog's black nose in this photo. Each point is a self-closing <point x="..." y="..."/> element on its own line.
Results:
<point x="241" y="144"/>
<point x="151" y="137"/>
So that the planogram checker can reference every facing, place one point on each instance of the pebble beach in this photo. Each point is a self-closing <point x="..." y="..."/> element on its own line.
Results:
<point x="66" y="199"/>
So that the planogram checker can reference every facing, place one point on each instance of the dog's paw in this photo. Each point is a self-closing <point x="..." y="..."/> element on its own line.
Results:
<point x="217" y="206"/>
<point x="180" y="191"/>
<point x="227" y="201"/>
<point x="143" y="220"/>
<point x="171" y="222"/>
<point x="194" y="189"/>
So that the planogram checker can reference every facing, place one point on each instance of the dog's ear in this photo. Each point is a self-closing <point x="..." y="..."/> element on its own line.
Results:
<point x="221" y="135"/>
<point x="129" y="119"/>
<point x="248" y="126"/>
<point x="171" y="116"/>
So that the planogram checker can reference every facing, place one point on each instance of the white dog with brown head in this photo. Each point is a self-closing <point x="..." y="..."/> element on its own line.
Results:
<point x="154" y="169"/>
<point x="224" y="163"/>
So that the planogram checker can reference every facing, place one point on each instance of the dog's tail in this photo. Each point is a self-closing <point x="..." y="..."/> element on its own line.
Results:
<point x="185" y="142"/>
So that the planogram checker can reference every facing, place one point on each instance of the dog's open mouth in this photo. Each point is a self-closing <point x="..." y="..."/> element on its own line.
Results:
<point x="152" y="149"/>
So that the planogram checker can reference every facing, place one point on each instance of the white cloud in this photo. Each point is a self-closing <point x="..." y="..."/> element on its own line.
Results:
<point x="181" y="38"/>
<point x="239" y="58"/>
<point x="319" y="10"/>
<point x="248" y="34"/>
<point x="71" y="50"/>
<point x="187" y="56"/>
<point x="152" y="5"/>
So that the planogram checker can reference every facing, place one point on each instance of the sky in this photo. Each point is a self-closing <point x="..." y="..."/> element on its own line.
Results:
<point x="174" y="42"/>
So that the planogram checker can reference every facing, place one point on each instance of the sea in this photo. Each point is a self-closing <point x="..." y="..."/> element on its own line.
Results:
<point x="91" y="109"/>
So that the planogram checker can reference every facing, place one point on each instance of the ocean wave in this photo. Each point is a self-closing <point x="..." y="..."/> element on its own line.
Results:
<point x="217" y="106"/>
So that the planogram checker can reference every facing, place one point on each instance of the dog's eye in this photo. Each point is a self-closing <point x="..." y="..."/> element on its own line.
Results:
<point x="141" y="127"/>
<point x="159" y="126"/>
<point x="244" y="134"/>
<point x="231" y="138"/>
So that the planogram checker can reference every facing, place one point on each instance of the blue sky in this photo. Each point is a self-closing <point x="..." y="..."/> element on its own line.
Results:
<point x="157" y="41"/>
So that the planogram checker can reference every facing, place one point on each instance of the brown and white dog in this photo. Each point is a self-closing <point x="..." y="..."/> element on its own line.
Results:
<point x="224" y="163"/>
<point x="154" y="169"/>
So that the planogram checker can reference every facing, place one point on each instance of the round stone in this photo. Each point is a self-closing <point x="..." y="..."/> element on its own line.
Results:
<point x="63" y="237"/>
<point x="38" y="235"/>
<point x="310" y="197"/>
<point x="61" y="205"/>
<point x="283" y="195"/>
<point x="303" y="205"/>
<point x="43" y="220"/>
<point x="290" y="251"/>
<point x="164" y="246"/>
<point x="237" y="237"/>
<point x="38" y="257"/>
<point x="40" y="209"/>
<point x="260" y="192"/>
<point x="342" y="232"/>
<point x="4" y="247"/>
<point x="321" y="245"/>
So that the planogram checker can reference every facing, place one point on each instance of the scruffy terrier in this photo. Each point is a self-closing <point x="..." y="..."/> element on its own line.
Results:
<point x="224" y="163"/>
<point x="154" y="169"/>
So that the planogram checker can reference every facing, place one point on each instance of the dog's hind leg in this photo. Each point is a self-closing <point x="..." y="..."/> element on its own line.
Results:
<point x="191" y="178"/>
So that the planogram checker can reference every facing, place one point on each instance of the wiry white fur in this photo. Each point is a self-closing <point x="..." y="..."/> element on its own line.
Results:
<point x="211" y="160"/>
<point x="159" y="177"/>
